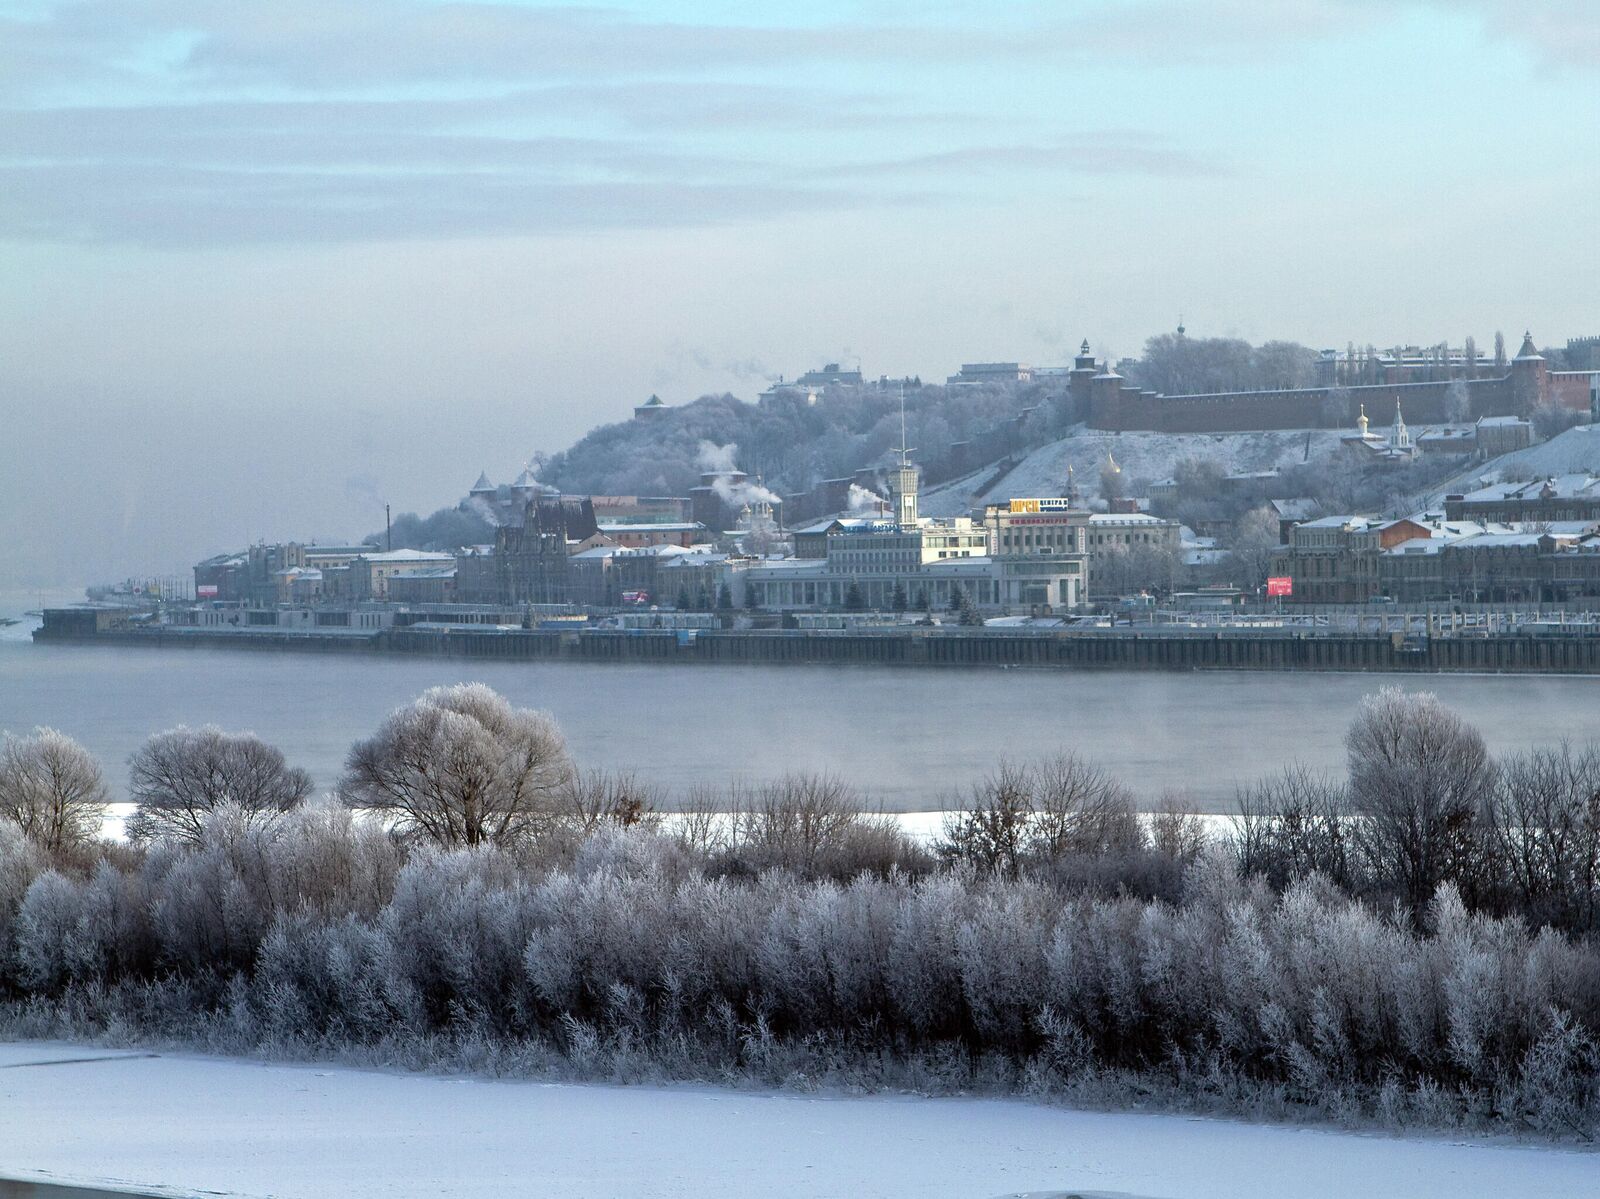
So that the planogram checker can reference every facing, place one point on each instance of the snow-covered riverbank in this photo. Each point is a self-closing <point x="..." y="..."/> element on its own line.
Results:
<point x="181" y="1125"/>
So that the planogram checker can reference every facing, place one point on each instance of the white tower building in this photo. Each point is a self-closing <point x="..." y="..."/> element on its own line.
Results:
<point x="903" y="479"/>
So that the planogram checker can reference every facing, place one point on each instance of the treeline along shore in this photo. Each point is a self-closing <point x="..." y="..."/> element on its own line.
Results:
<point x="1412" y="942"/>
<point x="1129" y="649"/>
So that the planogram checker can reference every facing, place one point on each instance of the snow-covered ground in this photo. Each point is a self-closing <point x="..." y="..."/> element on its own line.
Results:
<point x="180" y="1125"/>
<point x="1576" y="451"/>
<point x="1144" y="458"/>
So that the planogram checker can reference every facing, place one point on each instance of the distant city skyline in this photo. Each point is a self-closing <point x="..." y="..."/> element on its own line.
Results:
<point x="265" y="268"/>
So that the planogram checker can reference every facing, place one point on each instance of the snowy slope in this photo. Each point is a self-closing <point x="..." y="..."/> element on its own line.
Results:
<point x="1576" y="451"/>
<point x="1144" y="458"/>
<point x="182" y="1125"/>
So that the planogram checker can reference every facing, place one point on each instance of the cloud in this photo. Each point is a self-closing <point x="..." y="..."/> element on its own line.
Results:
<point x="315" y="45"/>
<point x="1097" y="153"/>
<point x="192" y="123"/>
<point x="178" y="207"/>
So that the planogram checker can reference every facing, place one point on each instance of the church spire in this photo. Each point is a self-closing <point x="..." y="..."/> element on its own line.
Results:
<point x="1399" y="435"/>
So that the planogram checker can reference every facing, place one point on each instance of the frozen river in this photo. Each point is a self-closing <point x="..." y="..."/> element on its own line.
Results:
<point x="908" y="738"/>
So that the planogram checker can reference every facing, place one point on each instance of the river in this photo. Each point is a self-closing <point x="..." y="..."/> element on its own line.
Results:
<point x="910" y="739"/>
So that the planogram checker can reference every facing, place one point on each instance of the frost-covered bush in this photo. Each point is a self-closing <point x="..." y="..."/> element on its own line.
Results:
<point x="776" y="935"/>
<point x="634" y="960"/>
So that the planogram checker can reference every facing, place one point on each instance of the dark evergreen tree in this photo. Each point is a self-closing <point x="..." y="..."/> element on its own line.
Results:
<point x="683" y="601"/>
<point x="958" y="596"/>
<point x="854" y="601"/>
<point x="897" y="600"/>
<point x="724" y="598"/>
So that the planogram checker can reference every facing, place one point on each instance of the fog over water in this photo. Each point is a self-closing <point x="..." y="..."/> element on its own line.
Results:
<point x="908" y="738"/>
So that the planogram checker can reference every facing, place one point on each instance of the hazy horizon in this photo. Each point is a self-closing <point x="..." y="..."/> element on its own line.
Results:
<point x="264" y="268"/>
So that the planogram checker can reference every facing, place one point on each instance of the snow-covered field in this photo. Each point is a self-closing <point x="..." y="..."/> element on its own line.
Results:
<point x="1144" y="458"/>
<point x="183" y="1125"/>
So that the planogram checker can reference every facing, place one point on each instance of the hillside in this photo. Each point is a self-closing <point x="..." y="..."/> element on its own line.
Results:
<point x="1144" y="458"/>
<point x="793" y="443"/>
<point x="1577" y="451"/>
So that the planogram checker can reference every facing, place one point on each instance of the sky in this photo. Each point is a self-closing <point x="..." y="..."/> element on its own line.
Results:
<point x="265" y="267"/>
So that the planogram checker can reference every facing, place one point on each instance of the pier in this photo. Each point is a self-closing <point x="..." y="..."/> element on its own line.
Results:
<point x="1141" y="648"/>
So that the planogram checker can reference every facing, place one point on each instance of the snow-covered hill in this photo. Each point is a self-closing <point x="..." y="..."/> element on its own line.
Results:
<point x="1144" y="458"/>
<point x="1577" y="451"/>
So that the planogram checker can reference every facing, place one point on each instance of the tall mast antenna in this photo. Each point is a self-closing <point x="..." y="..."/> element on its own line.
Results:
<point x="905" y="450"/>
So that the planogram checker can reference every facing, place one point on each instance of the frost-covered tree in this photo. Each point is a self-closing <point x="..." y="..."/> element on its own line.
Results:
<point x="1293" y="825"/>
<point x="52" y="788"/>
<point x="1420" y="778"/>
<point x="180" y="776"/>
<point x="461" y="766"/>
<point x="1252" y="544"/>
<point x="595" y="799"/>
<point x="1078" y="808"/>
<point x="1544" y="821"/>
<point x="992" y="829"/>
<point x="969" y="616"/>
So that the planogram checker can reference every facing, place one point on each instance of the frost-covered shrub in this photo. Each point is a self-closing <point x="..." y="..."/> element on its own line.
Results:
<point x="631" y="957"/>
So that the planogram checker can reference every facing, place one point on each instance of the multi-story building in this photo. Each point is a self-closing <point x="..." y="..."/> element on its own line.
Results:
<point x="639" y="509"/>
<point x="1433" y="559"/>
<point x="256" y="575"/>
<point x="1031" y="527"/>
<point x="532" y="556"/>
<point x="610" y="575"/>
<point x="1110" y="532"/>
<point x="634" y="535"/>
<point x="918" y="562"/>
<point x="976" y="374"/>
<point x="1334" y="560"/>
<point x="1496" y="435"/>
<point x="1560" y="497"/>
<point x="370" y="574"/>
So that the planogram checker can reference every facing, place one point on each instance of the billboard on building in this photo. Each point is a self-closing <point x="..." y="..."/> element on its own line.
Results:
<point x="1279" y="585"/>
<point x="1054" y="504"/>
<point x="206" y="591"/>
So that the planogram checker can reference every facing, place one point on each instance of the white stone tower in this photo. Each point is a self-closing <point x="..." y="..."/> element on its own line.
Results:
<point x="903" y="478"/>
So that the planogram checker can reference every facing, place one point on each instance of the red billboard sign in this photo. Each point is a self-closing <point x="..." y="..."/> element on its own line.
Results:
<point x="1280" y="585"/>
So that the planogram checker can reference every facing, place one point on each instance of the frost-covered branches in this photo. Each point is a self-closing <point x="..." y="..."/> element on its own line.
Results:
<point x="1368" y="948"/>
<point x="311" y="935"/>
<point x="1420" y="778"/>
<point x="461" y="766"/>
<point x="179" y="776"/>
<point x="1027" y="814"/>
<point x="52" y="789"/>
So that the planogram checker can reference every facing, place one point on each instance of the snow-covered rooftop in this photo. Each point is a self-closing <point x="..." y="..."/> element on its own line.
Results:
<point x="408" y="556"/>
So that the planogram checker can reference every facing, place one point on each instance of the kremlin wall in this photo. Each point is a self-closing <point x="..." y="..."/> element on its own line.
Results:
<point x="1103" y="399"/>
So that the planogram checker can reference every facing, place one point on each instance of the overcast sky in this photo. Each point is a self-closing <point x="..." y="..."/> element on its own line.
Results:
<point x="264" y="266"/>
